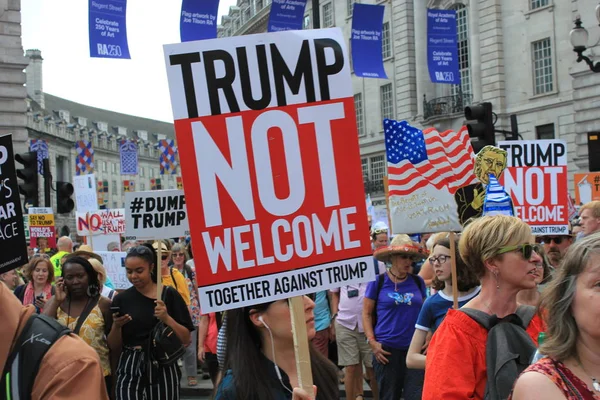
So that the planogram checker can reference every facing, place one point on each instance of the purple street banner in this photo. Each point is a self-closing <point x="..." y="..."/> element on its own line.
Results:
<point x="108" y="31"/>
<point x="12" y="230"/>
<point x="442" y="47"/>
<point x="198" y="20"/>
<point x="41" y="147"/>
<point x="366" y="41"/>
<point x="129" y="157"/>
<point x="286" y="15"/>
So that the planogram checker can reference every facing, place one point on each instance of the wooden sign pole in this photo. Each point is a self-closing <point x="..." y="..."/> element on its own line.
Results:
<point x="159" y="270"/>
<point x="87" y="221"/>
<point x="452" y="239"/>
<point x="301" y="351"/>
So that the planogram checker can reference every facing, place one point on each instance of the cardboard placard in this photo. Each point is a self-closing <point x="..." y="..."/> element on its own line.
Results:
<point x="587" y="188"/>
<point x="101" y="222"/>
<point x="41" y="225"/>
<point x="536" y="179"/>
<point x="273" y="169"/>
<point x="157" y="214"/>
<point x="85" y="193"/>
<point x="114" y="264"/>
<point x="12" y="231"/>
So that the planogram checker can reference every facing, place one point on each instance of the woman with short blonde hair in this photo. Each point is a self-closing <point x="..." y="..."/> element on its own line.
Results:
<point x="571" y="368"/>
<point x="501" y="251"/>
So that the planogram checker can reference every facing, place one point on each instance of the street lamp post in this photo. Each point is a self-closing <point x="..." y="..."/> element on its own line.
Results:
<point x="579" y="39"/>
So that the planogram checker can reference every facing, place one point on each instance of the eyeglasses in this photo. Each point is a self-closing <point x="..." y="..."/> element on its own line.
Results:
<point x="378" y="231"/>
<point x="441" y="259"/>
<point x="526" y="249"/>
<point x="164" y="257"/>
<point x="548" y="239"/>
<point x="44" y="256"/>
<point x="178" y="254"/>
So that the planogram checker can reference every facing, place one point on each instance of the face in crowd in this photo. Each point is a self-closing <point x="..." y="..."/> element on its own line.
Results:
<point x="139" y="266"/>
<point x="41" y="272"/>
<point x="276" y="316"/>
<point x="76" y="279"/>
<point x="556" y="247"/>
<point x="440" y="261"/>
<point x="589" y="222"/>
<point x="10" y="279"/>
<point x="380" y="239"/>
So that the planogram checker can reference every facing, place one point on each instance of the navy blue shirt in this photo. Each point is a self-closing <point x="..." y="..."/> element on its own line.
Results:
<point x="435" y="308"/>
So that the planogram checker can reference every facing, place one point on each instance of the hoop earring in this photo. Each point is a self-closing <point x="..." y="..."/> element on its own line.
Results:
<point x="93" y="290"/>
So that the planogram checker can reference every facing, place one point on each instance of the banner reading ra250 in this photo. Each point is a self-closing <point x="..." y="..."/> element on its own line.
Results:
<point x="270" y="160"/>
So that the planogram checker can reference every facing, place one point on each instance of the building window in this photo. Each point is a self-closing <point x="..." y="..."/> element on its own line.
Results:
<point x="306" y="23"/>
<point x="360" y="121"/>
<point x="462" y="33"/>
<point x="386" y="44"/>
<point x="374" y="169"/>
<point x="113" y="168"/>
<point x="247" y="14"/>
<point x="538" y="3"/>
<point x="142" y="171"/>
<point x="103" y="166"/>
<point x="387" y="101"/>
<point x="542" y="66"/>
<point x="115" y="189"/>
<point x="377" y="168"/>
<point x="142" y="186"/>
<point x="350" y="3"/>
<point x="327" y="12"/>
<point x="259" y="5"/>
<point x="544" y="131"/>
<point x="365" y="169"/>
<point x="151" y="172"/>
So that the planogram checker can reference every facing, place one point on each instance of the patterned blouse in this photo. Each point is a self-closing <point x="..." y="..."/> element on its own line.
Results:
<point x="194" y="301"/>
<point x="92" y="332"/>
<point x="569" y="384"/>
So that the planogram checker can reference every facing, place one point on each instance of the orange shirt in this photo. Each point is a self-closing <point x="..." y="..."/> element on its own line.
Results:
<point x="455" y="367"/>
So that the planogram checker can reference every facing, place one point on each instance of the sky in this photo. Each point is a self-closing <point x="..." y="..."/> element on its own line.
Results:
<point x="138" y="86"/>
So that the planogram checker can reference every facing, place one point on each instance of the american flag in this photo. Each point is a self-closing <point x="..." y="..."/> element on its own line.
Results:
<point x="417" y="158"/>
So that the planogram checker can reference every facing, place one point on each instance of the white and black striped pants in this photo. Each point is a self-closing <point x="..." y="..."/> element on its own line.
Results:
<point x="133" y="378"/>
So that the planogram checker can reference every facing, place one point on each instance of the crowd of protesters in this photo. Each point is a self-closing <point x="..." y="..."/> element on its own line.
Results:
<point x="398" y="335"/>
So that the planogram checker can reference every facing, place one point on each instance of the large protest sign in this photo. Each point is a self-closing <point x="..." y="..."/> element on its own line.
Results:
<point x="86" y="198"/>
<point x="427" y="170"/>
<point x="12" y="232"/>
<point x="157" y="214"/>
<point x="108" y="31"/>
<point x="114" y="264"/>
<point x="101" y="222"/>
<point x="198" y="20"/>
<point x="273" y="169"/>
<point x="587" y="187"/>
<point x="286" y="15"/>
<point x="536" y="179"/>
<point x="442" y="50"/>
<point x="367" y="40"/>
<point x="41" y="225"/>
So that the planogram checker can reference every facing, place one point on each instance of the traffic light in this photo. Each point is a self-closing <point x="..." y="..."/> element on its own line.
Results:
<point x="29" y="175"/>
<point x="64" y="202"/>
<point x="480" y="124"/>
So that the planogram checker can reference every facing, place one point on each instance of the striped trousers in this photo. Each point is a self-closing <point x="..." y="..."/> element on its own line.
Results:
<point x="133" y="378"/>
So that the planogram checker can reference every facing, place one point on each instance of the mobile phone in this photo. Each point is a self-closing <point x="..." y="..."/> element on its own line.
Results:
<point x="115" y="310"/>
<point x="40" y="297"/>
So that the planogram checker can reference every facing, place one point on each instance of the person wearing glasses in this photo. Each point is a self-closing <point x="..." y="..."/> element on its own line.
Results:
<point x="531" y="297"/>
<point x="555" y="247"/>
<point x="501" y="251"/>
<point x="260" y="362"/>
<point x="171" y="276"/>
<point x="435" y="307"/>
<point x="137" y="311"/>
<point x="390" y="309"/>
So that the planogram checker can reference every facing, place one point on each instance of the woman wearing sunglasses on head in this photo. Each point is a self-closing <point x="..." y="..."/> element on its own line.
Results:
<point x="390" y="309"/>
<point x="501" y="252"/>
<point x="260" y="362"/>
<point x="171" y="276"/>
<point x="435" y="308"/>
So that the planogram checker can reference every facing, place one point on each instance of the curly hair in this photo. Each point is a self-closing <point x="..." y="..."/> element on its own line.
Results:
<point x="465" y="276"/>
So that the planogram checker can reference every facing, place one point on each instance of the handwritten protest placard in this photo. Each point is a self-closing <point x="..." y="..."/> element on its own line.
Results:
<point x="85" y="193"/>
<point x="114" y="264"/>
<point x="101" y="222"/>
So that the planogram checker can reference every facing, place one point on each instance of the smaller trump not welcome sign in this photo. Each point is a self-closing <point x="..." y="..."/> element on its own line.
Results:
<point x="156" y="214"/>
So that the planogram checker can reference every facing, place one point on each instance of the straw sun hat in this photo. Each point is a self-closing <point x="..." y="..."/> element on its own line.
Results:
<point x="401" y="244"/>
<point x="85" y="251"/>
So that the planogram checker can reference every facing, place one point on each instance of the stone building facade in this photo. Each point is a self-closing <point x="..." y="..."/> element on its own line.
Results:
<point x="62" y="122"/>
<point x="515" y="54"/>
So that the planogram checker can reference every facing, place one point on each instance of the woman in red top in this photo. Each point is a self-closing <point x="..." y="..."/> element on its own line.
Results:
<point x="498" y="249"/>
<point x="571" y="369"/>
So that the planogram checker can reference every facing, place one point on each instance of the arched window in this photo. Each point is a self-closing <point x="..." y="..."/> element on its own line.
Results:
<point x="464" y="64"/>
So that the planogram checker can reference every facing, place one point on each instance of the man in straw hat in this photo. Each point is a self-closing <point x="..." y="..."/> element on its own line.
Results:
<point x="390" y="310"/>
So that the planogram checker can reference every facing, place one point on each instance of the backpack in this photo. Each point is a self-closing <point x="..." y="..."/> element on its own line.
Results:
<point x="508" y="349"/>
<point x="380" y="280"/>
<point x="23" y="362"/>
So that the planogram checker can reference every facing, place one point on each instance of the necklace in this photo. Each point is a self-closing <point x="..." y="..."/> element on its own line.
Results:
<point x="595" y="383"/>
<point x="396" y="279"/>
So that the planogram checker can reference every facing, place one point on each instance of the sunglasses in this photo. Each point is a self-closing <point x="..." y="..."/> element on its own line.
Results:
<point x="164" y="257"/>
<point x="548" y="240"/>
<point x="441" y="259"/>
<point x="178" y="254"/>
<point x="526" y="249"/>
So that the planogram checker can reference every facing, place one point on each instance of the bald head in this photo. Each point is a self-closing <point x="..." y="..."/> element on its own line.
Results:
<point x="65" y="244"/>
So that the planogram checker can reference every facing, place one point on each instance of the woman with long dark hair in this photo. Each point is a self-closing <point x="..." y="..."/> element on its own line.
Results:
<point x="137" y="311"/>
<point x="78" y="305"/>
<point x="260" y="362"/>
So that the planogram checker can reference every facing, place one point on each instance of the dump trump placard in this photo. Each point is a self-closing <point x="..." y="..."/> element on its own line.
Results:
<point x="536" y="179"/>
<point x="270" y="161"/>
<point x="157" y="214"/>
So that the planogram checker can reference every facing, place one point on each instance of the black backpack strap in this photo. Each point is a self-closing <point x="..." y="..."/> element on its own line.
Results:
<point x="483" y="319"/>
<point x="526" y="313"/>
<point x="380" y="280"/>
<point x="376" y="266"/>
<point x="173" y="277"/>
<point x="84" y="314"/>
<point x="418" y="282"/>
<point x="36" y="338"/>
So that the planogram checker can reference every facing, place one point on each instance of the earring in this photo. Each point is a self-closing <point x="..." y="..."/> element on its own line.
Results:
<point x="93" y="290"/>
<point x="496" y="277"/>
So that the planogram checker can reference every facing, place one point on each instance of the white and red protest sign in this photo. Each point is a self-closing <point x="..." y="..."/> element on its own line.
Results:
<point x="536" y="179"/>
<point x="268" y="145"/>
<point x="101" y="222"/>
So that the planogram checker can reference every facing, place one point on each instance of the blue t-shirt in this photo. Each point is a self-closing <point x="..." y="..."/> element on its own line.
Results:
<point x="397" y="312"/>
<point x="322" y="312"/>
<point x="435" y="308"/>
